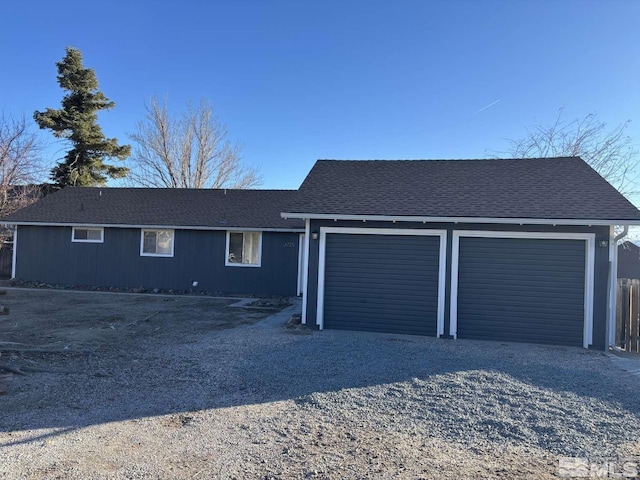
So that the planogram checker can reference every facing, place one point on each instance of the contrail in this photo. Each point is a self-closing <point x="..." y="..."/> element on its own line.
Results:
<point x="488" y="106"/>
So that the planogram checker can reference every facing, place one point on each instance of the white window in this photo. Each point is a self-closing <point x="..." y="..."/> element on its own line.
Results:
<point x="89" y="235"/>
<point x="244" y="249"/>
<point x="156" y="243"/>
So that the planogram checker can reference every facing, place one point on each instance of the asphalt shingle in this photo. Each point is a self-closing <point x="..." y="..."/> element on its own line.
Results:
<point x="162" y="207"/>
<point x="542" y="188"/>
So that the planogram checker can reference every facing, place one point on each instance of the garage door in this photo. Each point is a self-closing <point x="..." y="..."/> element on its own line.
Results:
<point x="522" y="290"/>
<point x="381" y="283"/>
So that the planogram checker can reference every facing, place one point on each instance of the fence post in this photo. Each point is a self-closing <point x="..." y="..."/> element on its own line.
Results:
<point x="619" y="317"/>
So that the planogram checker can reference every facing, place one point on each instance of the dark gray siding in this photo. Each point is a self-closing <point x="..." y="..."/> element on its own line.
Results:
<point x="382" y="283"/>
<point x="521" y="290"/>
<point x="46" y="254"/>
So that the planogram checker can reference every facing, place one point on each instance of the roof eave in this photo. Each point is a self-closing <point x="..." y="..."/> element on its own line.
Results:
<point x="428" y="219"/>
<point x="153" y="226"/>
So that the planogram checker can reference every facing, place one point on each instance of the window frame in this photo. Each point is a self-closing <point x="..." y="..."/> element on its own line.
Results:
<point x="240" y="264"/>
<point x="157" y="230"/>
<point x="87" y="240"/>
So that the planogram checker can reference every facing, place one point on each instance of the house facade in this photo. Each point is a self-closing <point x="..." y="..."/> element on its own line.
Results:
<point x="520" y="250"/>
<point x="226" y="241"/>
<point x="507" y="250"/>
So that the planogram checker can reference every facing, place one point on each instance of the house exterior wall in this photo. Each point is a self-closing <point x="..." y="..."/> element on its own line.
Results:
<point x="47" y="254"/>
<point x="601" y="263"/>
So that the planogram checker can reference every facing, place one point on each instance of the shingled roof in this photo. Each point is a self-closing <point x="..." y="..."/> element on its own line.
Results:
<point x="541" y="188"/>
<point x="169" y="207"/>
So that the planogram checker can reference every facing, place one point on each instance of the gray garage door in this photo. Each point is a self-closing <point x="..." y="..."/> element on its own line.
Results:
<point x="522" y="290"/>
<point x="381" y="283"/>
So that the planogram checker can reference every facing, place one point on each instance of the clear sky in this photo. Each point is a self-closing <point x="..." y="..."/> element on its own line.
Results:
<point x="350" y="79"/>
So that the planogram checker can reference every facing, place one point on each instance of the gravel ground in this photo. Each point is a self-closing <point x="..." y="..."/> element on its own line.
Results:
<point x="274" y="402"/>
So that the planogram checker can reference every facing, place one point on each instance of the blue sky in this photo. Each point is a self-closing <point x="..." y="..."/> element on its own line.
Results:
<point x="300" y="80"/>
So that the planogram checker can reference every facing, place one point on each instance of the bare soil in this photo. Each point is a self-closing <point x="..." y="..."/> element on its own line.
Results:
<point x="96" y="334"/>
<point x="150" y="386"/>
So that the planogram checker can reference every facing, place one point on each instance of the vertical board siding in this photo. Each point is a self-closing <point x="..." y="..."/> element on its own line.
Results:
<point x="46" y="254"/>
<point x="521" y="290"/>
<point x="382" y="283"/>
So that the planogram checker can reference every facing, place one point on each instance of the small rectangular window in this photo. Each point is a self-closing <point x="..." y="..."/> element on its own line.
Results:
<point x="89" y="235"/>
<point x="244" y="249"/>
<point x="156" y="243"/>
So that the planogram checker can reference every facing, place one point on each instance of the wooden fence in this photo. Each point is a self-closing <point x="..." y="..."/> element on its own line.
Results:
<point x="627" y="314"/>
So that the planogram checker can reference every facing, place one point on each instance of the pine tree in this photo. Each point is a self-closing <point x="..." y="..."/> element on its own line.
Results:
<point x="76" y="121"/>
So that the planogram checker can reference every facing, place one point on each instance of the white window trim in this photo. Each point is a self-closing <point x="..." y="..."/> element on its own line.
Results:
<point x="75" y="240"/>
<point x="590" y="242"/>
<point x="165" y="255"/>
<point x="442" y="265"/>
<point x="227" y="263"/>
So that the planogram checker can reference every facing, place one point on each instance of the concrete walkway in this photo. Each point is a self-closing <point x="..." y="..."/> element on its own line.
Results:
<point x="282" y="317"/>
<point x="629" y="362"/>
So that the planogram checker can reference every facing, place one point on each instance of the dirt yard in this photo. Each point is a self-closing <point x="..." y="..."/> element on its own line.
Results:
<point x="143" y="386"/>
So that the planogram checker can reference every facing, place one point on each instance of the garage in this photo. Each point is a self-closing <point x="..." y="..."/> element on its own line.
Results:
<point x="382" y="281"/>
<point x="529" y="249"/>
<point x="522" y="289"/>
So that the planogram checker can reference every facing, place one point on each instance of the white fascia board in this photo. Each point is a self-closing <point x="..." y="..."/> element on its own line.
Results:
<point x="510" y="221"/>
<point x="158" y="227"/>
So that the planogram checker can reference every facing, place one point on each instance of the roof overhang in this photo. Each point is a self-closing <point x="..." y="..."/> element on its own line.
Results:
<point x="157" y="227"/>
<point x="426" y="219"/>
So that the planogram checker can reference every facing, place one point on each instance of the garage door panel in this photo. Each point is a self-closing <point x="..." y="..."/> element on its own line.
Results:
<point x="403" y="287"/>
<point x="538" y="312"/>
<point x="392" y="278"/>
<point x="529" y="290"/>
<point x="489" y="297"/>
<point x="373" y="318"/>
<point x="381" y="283"/>
<point x="355" y="260"/>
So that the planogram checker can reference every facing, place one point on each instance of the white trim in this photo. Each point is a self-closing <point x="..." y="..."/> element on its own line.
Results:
<point x="305" y="273"/>
<point x="589" y="239"/>
<point x="321" y="263"/>
<point x="227" y="263"/>
<point x="453" y="300"/>
<point x="156" y="227"/>
<point x="75" y="240"/>
<point x="427" y="219"/>
<point x="163" y="255"/>
<point x="442" y="280"/>
<point x="589" y="270"/>
<point x="612" y="296"/>
<point x="14" y="254"/>
<point x="384" y="231"/>
<point x="300" y="262"/>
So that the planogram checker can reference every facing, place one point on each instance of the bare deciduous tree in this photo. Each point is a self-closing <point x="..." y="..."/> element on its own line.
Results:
<point x="189" y="151"/>
<point x="610" y="152"/>
<point x="20" y="165"/>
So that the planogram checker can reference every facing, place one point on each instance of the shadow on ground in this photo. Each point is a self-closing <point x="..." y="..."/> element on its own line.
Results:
<point x="483" y="381"/>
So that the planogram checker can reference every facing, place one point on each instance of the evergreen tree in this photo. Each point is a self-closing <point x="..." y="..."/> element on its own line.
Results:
<point x="76" y="121"/>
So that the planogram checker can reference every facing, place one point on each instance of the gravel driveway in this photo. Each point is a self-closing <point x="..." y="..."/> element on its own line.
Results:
<point x="267" y="401"/>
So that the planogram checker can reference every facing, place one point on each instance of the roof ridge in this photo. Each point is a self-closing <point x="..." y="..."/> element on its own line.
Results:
<point x="165" y="189"/>
<point x="447" y="159"/>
